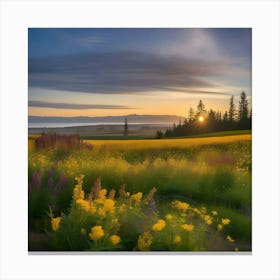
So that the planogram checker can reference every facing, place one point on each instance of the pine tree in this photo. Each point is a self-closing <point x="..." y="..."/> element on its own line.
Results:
<point x="231" y="112"/>
<point x="191" y="115"/>
<point x="200" y="107"/>
<point x="243" y="108"/>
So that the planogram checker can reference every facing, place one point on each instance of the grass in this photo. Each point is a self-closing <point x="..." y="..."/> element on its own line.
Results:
<point x="212" y="172"/>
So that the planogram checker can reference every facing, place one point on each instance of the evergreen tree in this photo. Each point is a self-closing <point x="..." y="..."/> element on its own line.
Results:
<point x="231" y="112"/>
<point x="191" y="116"/>
<point x="200" y="108"/>
<point x="243" y="108"/>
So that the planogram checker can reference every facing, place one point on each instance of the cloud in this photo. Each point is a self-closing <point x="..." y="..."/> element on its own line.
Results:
<point x="198" y="91"/>
<point x="127" y="72"/>
<point x="42" y="104"/>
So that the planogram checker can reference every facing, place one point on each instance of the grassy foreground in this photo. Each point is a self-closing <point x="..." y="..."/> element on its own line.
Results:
<point x="202" y="200"/>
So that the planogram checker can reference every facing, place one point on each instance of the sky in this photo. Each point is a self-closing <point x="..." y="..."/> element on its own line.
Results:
<point x="123" y="71"/>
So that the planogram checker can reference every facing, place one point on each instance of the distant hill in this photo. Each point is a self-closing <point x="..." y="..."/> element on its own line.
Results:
<point x="108" y="119"/>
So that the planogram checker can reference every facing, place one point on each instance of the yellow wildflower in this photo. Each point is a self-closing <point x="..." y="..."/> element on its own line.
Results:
<point x="236" y="249"/>
<point x="214" y="213"/>
<point x="83" y="231"/>
<point x="115" y="239"/>
<point x="220" y="227"/>
<point x="78" y="192"/>
<point x="136" y="197"/>
<point x="180" y="205"/>
<point x="208" y="219"/>
<point x="168" y="217"/>
<point x="144" y="241"/>
<point x="96" y="233"/>
<point x="177" y="239"/>
<point x="187" y="227"/>
<point x="102" y="193"/>
<point x="109" y="204"/>
<point x="55" y="223"/>
<point x="159" y="225"/>
<point x="99" y="201"/>
<point x="83" y="204"/>
<point x="225" y="221"/>
<point x="230" y="239"/>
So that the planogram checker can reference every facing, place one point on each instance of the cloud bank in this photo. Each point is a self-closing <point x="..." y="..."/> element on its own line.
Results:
<point x="42" y="104"/>
<point x="128" y="72"/>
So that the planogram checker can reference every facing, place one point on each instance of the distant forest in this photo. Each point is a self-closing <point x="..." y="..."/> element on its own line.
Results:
<point x="203" y="121"/>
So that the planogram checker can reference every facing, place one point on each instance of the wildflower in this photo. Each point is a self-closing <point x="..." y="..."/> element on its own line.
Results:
<point x="96" y="233"/>
<point x="55" y="223"/>
<point x="78" y="192"/>
<point x="83" y="231"/>
<point x="159" y="225"/>
<point x="150" y="195"/>
<point x="136" y="197"/>
<point x="187" y="227"/>
<point x="144" y="241"/>
<point x="229" y="239"/>
<point x="102" y="193"/>
<point x="177" y="239"/>
<point x="203" y="210"/>
<point x="99" y="201"/>
<point x="180" y="205"/>
<point x="225" y="221"/>
<point x="109" y="204"/>
<point x="214" y="213"/>
<point x="220" y="227"/>
<point x="208" y="219"/>
<point x="95" y="189"/>
<point x="168" y="217"/>
<point x="196" y="211"/>
<point x="115" y="239"/>
<point x="122" y="191"/>
<point x="112" y="194"/>
<point x="83" y="204"/>
<point x="236" y="249"/>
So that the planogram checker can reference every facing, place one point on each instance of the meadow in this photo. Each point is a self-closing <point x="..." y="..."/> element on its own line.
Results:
<point x="185" y="194"/>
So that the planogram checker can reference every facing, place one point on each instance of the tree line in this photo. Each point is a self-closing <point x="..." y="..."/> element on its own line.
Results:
<point x="205" y="121"/>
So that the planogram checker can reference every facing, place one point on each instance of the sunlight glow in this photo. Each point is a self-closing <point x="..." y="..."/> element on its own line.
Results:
<point x="201" y="119"/>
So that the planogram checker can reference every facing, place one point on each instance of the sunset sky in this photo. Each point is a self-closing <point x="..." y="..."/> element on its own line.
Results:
<point x="110" y="71"/>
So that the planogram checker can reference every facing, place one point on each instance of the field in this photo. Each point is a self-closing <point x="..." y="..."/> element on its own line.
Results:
<point x="185" y="194"/>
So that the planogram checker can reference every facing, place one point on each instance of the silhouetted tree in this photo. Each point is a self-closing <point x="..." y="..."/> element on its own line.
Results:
<point x="200" y="108"/>
<point x="125" y="127"/>
<point x="231" y="111"/>
<point x="159" y="134"/>
<point x="243" y="111"/>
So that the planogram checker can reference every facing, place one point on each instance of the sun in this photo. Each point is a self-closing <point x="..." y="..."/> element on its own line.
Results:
<point x="201" y="119"/>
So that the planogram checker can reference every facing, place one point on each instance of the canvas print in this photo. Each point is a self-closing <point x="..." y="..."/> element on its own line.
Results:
<point x="139" y="139"/>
